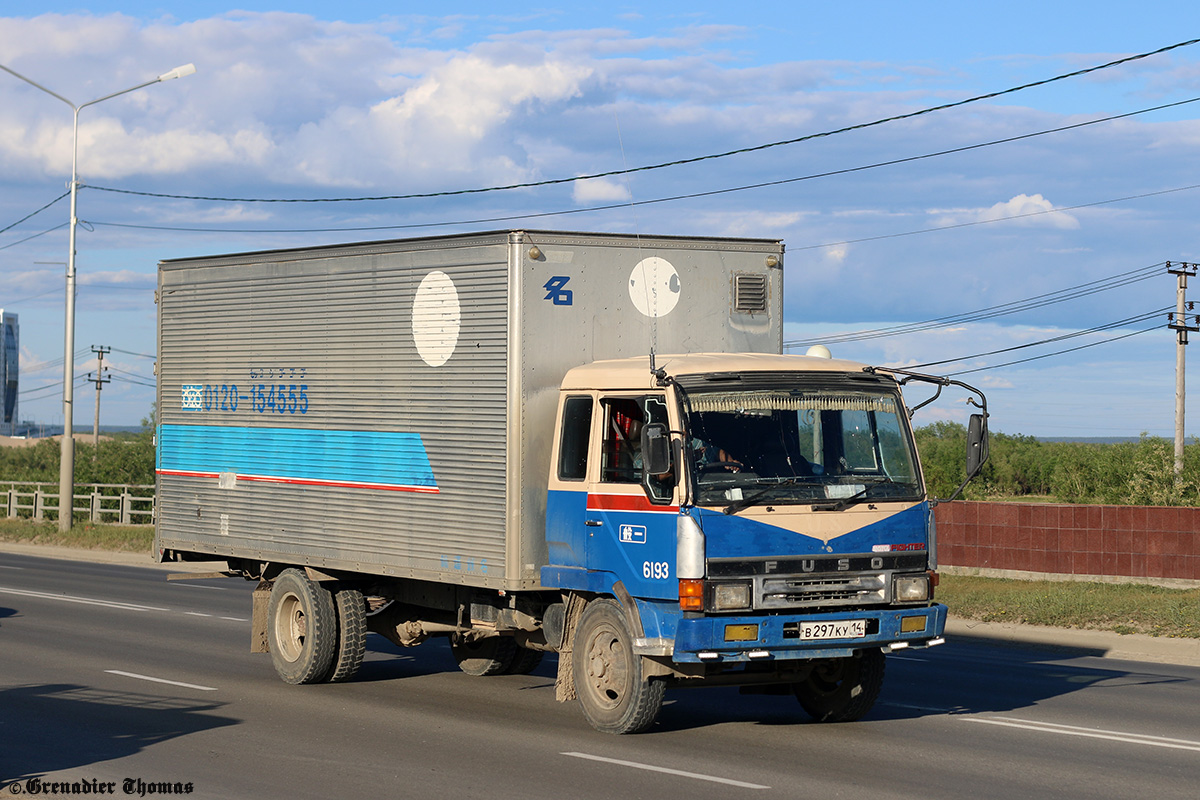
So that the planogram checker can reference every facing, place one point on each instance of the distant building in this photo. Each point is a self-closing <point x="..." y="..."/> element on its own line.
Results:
<point x="10" y="339"/>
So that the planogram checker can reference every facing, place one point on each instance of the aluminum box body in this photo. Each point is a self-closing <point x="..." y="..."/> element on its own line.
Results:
<point x="388" y="407"/>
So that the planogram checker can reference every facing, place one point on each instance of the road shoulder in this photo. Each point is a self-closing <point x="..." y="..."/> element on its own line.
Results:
<point x="1105" y="644"/>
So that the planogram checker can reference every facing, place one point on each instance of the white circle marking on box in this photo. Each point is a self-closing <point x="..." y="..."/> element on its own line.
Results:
<point x="654" y="287"/>
<point x="437" y="318"/>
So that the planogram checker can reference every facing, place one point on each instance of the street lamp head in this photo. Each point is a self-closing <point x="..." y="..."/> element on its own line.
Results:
<point x="178" y="72"/>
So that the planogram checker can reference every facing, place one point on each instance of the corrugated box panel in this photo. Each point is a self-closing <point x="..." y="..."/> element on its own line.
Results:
<point x="344" y="409"/>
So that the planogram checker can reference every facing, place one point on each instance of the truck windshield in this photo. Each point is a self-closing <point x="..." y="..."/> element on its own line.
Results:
<point x="800" y="446"/>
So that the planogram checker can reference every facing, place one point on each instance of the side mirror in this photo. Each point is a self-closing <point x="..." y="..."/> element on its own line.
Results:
<point x="656" y="449"/>
<point x="977" y="444"/>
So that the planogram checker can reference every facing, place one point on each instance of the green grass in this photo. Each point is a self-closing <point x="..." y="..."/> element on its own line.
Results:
<point x="120" y="538"/>
<point x="1117" y="607"/>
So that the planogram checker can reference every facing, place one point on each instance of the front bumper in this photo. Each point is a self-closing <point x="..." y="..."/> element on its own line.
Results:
<point x="706" y="639"/>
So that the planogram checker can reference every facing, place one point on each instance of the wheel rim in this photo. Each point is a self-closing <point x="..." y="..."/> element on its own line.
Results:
<point x="827" y="679"/>
<point x="291" y="626"/>
<point x="607" y="668"/>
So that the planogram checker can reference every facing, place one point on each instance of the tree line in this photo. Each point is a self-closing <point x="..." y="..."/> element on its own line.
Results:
<point x="1140" y="473"/>
<point x="1019" y="467"/>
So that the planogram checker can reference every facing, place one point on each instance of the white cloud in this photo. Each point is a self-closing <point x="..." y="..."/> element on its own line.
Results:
<point x="1023" y="209"/>
<point x="836" y="254"/>
<point x="127" y="277"/>
<point x="599" y="190"/>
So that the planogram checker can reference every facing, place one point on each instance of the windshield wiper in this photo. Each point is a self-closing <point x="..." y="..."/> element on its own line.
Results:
<point x="842" y="503"/>
<point x="746" y="502"/>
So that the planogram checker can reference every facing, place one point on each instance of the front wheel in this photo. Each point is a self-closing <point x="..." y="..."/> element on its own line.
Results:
<point x="614" y="694"/>
<point x="842" y="689"/>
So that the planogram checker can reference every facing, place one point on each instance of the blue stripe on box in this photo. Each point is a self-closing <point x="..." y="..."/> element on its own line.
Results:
<point x="366" y="459"/>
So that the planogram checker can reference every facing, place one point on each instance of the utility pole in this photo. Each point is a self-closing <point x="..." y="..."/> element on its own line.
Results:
<point x="99" y="380"/>
<point x="1178" y="322"/>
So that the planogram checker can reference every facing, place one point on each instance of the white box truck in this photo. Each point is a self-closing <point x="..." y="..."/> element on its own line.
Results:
<point x="531" y="441"/>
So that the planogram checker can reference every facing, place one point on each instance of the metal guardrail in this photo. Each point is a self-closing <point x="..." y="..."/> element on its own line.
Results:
<point x="121" y="504"/>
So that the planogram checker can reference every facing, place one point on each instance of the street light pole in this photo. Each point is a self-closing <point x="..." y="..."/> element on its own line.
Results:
<point x="66" y="472"/>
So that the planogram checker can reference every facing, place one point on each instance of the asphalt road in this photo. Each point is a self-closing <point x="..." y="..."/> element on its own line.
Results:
<point x="110" y="673"/>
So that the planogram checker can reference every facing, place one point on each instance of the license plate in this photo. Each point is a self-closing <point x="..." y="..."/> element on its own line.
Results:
<point x="835" y="629"/>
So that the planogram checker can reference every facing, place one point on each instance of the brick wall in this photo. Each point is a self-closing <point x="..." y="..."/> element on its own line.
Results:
<point x="1122" y="541"/>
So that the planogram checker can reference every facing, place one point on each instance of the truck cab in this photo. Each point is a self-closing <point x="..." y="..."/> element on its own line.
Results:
<point x="757" y="519"/>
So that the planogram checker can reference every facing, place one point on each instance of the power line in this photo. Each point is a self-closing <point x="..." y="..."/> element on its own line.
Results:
<point x="135" y="383"/>
<point x="132" y="374"/>
<point x="990" y="312"/>
<point x="678" y="162"/>
<point x="58" y="362"/>
<point x="711" y="193"/>
<point x="1063" y="337"/>
<point x="56" y="386"/>
<point x="131" y="353"/>
<point x="1057" y="353"/>
<point x="34" y="236"/>
<point x="35" y="213"/>
<point x="32" y="297"/>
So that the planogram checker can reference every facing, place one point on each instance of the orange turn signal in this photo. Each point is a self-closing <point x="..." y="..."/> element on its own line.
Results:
<point x="691" y="594"/>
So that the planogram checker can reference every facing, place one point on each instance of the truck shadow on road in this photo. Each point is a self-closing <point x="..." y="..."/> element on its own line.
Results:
<point x="958" y="679"/>
<point x="53" y="727"/>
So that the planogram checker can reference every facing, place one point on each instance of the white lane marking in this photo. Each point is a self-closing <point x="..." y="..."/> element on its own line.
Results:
<point x="9" y="566"/>
<point x="159" y="680"/>
<point x="85" y="600"/>
<point x="931" y="709"/>
<point x="196" y="614"/>
<point x="236" y="619"/>
<point x="1091" y="733"/>
<point x="681" y="773"/>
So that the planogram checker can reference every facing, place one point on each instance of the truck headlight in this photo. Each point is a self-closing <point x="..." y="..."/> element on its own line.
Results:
<point x="911" y="588"/>
<point x="730" y="596"/>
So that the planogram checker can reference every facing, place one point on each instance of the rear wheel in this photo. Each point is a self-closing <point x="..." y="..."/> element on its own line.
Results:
<point x="616" y="697"/>
<point x="842" y="689"/>
<point x="302" y="628"/>
<point x="479" y="657"/>
<point x="351" y="610"/>
<point x="524" y="661"/>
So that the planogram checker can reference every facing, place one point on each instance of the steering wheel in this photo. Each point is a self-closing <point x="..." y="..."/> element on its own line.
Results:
<point x="723" y="466"/>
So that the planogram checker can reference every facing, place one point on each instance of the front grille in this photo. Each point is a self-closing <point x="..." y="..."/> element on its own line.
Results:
<point x="822" y="590"/>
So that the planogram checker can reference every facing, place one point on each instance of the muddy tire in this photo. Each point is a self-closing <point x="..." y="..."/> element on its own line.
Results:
<point x="301" y="628"/>
<point x="842" y="689"/>
<point x="614" y="694"/>
<point x="351" y="610"/>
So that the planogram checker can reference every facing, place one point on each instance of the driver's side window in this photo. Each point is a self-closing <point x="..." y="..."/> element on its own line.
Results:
<point x="621" y="444"/>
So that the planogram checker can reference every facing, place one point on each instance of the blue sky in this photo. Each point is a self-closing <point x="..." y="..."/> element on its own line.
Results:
<point x="326" y="100"/>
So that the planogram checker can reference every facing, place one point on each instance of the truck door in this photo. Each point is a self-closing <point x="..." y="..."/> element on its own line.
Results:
<point x="631" y="515"/>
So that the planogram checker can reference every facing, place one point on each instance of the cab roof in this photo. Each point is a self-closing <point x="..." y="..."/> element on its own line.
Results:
<point x="634" y="373"/>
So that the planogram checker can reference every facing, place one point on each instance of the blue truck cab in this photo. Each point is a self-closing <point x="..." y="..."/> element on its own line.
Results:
<point x="749" y="519"/>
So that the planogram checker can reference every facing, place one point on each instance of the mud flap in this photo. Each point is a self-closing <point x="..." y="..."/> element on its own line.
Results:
<point x="259" y="611"/>
<point x="564" y="686"/>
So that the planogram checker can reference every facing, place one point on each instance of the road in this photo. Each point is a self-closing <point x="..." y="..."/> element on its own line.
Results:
<point x="110" y="673"/>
